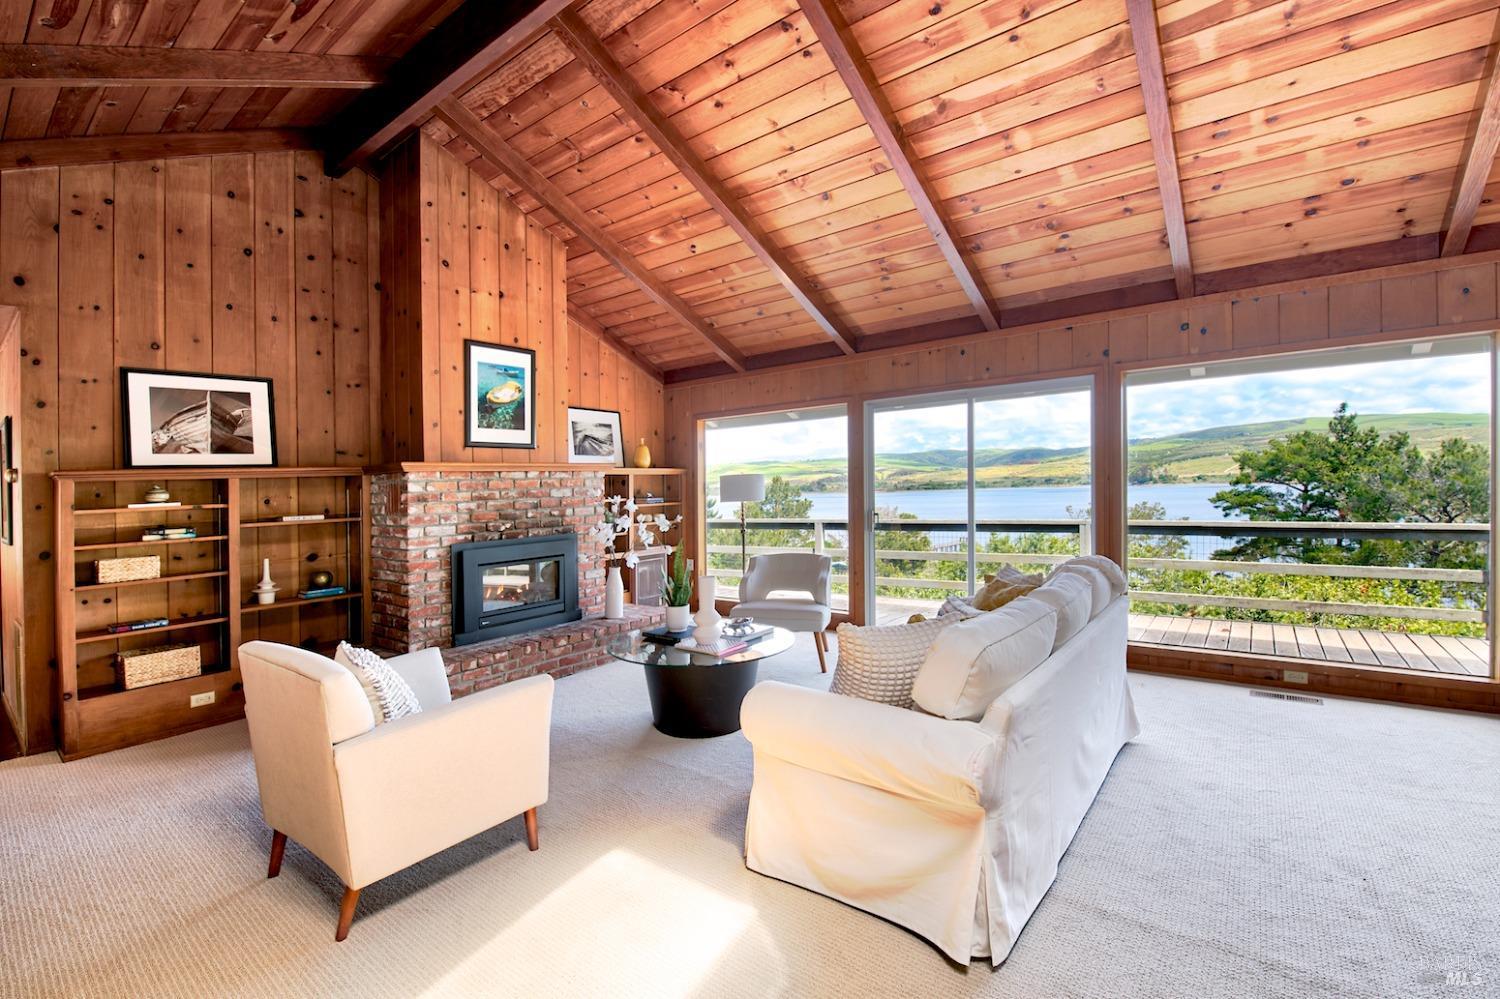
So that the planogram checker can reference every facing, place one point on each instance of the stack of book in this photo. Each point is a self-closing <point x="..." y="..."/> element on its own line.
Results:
<point x="161" y="532"/>
<point x="321" y="591"/>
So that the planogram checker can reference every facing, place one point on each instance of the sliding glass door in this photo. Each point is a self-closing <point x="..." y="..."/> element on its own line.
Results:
<point x="958" y="484"/>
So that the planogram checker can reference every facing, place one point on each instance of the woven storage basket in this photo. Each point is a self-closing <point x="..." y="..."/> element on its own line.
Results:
<point x="143" y="667"/>
<point x="125" y="570"/>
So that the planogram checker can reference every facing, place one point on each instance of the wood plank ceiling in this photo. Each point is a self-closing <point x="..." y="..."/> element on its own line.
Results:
<point x="50" y="104"/>
<point x="1299" y="128"/>
<point x="745" y="182"/>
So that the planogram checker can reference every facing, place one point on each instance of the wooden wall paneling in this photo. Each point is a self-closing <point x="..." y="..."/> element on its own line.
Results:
<point x="88" y="396"/>
<point x="29" y="255"/>
<point x="400" y="277"/>
<point x="538" y="331"/>
<point x="1303" y="315"/>
<point x="484" y="261"/>
<point x="312" y="236"/>
<point x="1354" y="308"/>
<point x="452" y="282"/>
<point x="1090" y="344"/>
<point x="425" y="310"/>
<point x="238" y="233"/>
<point x="188" y="301"/>
<point x="351" y="320"/>
<point x="264" y="295"/>
<point x="589" y="349"/>
<point x="563" y="385"/>
<point x="1408" y="302"/>
<point x="1466" y="294"/>
<point x="1129" y="338"/>
<point x="370" y="279"/>
<point x="1210" y="328"/>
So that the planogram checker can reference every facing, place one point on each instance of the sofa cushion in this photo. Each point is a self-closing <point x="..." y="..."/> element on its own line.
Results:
<point x="999" y="592"/>
<point x="1099" y="585"/>
<point x="975" y="661"/>
<point x="390" y="696"/>
<point x="1071" y="596"/>
<point x="960" y="605"/>
<point x="879" y="663"/>
<point x="1112" y="572"/>
<point x="792" y="613"/>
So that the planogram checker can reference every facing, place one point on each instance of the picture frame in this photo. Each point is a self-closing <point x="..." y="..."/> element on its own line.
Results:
<point x="190" y="419"/>
<point x="500" y="396"/>
<point x="7" y="486"/>
<point x="594" y="437"/>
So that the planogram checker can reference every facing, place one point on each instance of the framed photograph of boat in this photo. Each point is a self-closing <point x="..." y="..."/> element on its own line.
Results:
<point x="594" y="437"/>
<point x="185" y="419"/>
<point x="500" y="402"/>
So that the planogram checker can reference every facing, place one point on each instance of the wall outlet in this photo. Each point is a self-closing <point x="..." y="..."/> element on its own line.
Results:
<point x="1294" y="676"/>
<point x="201" y="700"/>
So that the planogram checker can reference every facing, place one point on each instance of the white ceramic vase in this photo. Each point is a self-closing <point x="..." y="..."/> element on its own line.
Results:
<point x="265" y="590"/>
<point x="707" y="618"/>
<point x="614" y="594"/>
<point x="679" y="618"/>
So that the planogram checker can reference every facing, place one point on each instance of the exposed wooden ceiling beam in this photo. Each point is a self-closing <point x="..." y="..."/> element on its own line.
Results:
<point x="639" y="107"/>
<point x="1477" y="162"/>
<point x="149" y="146"/>
<point x="842" y="48"/>
<point x="469" y="42"/>
<point x="591" y="324"/>
<point x="149" y="66"/>
<point x="492" y="148"/>
<point x="1145" y="35"/>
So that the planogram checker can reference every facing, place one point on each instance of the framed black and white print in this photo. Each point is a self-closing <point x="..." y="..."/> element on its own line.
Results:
<point x="500" y="401"/>
<point x="185" y="419"/>
<point x="594" y="437"/>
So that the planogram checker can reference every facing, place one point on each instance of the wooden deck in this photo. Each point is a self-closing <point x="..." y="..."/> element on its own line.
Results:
<point x="1430" y="653"/>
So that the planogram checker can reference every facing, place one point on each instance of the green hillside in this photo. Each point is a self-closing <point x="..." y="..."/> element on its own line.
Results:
<point x="1199" y="456"/>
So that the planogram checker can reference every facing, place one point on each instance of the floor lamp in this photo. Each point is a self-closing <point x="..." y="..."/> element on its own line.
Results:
<point x="742" y="489"/>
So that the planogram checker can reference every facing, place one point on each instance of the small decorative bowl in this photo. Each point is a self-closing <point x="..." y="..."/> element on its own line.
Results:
<point x="739" y="626"/>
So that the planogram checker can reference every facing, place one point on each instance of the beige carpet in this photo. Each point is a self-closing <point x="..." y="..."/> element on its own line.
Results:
<point x="1241" y="847"/>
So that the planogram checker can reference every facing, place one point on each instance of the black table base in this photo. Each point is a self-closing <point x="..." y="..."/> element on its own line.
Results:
<point x="699" y="702"/>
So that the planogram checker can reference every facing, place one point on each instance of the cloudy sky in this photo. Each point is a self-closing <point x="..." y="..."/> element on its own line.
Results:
<point x="1415" y="385"/>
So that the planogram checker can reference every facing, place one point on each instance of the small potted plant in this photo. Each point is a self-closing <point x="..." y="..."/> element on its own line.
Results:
<point x="677" y="592"/>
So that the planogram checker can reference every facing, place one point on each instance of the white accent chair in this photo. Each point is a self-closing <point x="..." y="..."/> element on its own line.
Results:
<point x="369" y="801"/>
<point x="801" y="572"/>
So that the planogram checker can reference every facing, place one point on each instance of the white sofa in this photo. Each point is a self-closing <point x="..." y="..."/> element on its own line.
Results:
<point x="370" y="800"/>
<point x="952" y="829"/>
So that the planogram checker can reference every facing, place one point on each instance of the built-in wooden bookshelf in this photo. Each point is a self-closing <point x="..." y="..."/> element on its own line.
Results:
<point x="205" y="590"/>
<point x="656" y="490"/>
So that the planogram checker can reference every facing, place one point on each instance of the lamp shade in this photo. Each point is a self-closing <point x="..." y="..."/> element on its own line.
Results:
<point x="742" y="488"/>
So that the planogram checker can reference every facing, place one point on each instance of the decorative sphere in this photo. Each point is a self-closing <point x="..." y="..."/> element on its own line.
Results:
<point x="320" y="579"/>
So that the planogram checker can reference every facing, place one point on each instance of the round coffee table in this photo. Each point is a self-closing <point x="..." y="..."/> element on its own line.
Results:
<point x="697" y="696"/>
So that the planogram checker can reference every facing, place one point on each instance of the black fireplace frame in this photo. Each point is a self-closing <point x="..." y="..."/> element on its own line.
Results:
<point x="471" y="625"/>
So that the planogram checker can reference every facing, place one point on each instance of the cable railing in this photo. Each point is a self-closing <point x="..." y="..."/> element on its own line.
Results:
<point x="1174" y="564"/>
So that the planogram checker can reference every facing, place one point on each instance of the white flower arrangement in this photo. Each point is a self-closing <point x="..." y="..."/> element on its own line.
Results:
<point x="621" y="516"/>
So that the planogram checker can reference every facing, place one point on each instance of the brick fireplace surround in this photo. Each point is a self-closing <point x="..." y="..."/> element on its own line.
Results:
<point x="419" y="513"/>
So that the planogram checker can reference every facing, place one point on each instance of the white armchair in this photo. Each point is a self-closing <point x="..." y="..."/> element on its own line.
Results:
<point x="801" y="572"/>
<point x="369" y="801"/>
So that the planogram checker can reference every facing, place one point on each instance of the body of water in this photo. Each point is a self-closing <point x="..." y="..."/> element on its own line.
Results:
<point x="1182" y="500"/>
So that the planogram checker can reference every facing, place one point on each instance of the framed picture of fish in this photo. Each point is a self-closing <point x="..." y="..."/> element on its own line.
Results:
<point x="186" y="419"/>
<point x="499" y="396"/>
<point x="594" y="437"/>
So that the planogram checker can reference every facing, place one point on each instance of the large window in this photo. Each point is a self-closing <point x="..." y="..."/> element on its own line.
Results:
<point x="963" y="483"/>
<point x="803" y="455"/>
<point x="1331" y="506"/>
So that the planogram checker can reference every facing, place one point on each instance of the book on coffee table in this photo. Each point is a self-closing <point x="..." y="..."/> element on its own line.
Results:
<point x="719" y="647"/>
<point x="664" y="637"/>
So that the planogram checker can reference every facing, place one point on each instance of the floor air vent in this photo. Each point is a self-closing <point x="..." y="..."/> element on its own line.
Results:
<point x="1277" y="695"/>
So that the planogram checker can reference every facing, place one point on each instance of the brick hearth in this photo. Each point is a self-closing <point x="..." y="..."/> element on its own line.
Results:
<point x="417" y="516"/>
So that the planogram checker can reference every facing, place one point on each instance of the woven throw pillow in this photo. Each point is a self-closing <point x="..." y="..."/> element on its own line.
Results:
<point x="879" y="663"/>
<point x="999" y="592"/>
<point x="391" y="697"/>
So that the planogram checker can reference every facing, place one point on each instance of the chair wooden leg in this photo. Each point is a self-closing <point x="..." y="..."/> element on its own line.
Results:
<point x="346" y="913"/>
<point x="278" y="850"/>
<point x="531" y="836"/>
<point x="820" y="642"/>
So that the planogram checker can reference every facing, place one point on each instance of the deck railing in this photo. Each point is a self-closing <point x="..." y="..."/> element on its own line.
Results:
<point x="946" y="541"/>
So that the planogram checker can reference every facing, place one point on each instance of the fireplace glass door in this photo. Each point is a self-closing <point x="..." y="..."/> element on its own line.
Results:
<point x="510" y="585"/>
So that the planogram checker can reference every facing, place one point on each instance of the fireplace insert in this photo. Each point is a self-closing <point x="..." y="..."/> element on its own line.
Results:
<point x="507" y="587"/>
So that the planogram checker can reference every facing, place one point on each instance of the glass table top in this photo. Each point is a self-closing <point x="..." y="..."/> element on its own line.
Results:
<point x="634" y="648"/>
